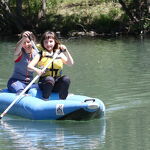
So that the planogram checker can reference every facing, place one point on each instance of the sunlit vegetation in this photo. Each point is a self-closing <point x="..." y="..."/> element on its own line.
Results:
<point x="70" y="16"/>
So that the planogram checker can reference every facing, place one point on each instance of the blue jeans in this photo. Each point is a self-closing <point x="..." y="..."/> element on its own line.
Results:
<point x="17" y="86"/>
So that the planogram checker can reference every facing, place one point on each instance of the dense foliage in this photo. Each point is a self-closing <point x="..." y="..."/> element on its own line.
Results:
<point x="71" y="16"/>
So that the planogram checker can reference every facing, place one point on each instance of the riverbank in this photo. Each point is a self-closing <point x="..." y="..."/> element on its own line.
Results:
<point x="77" y="18"/>
<point x="83" y="18"/>
<point x="71" y="19"/>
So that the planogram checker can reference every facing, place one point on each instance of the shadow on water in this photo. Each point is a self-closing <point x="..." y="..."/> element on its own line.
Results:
<point x="26" y="134"/>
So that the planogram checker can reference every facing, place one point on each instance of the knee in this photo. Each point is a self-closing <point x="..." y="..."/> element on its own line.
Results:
<point x="15" y="86"/>
<point x="50" y="80"/>
<point x="66" y="80"/>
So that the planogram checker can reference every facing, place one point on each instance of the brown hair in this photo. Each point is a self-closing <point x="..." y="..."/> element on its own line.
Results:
<point x="50" y="35"/>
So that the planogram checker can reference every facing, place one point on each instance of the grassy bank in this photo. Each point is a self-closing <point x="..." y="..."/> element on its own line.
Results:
<point x="83" y="16"/>
<point x="69" y="17"/>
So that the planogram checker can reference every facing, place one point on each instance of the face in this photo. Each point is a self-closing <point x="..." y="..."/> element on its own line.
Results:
<point x="27" y="46"/>
<point x="49" y="44"/>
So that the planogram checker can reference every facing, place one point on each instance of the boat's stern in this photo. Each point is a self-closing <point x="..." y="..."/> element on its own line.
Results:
<point x="90" y="108"/>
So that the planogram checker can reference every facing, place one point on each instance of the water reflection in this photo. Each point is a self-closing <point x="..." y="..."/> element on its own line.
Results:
<point x="35" y="135"/>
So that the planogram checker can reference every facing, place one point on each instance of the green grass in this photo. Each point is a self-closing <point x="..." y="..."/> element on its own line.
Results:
<point x="91" y="15"/>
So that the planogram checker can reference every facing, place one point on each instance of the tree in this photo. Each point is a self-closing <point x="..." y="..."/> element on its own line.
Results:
<point x="138" y="13"/>
<point x="148" y="5"/>
<point x="42" y="12"/>
<point x="9" y="18"/>
<point x="19" y="7"/>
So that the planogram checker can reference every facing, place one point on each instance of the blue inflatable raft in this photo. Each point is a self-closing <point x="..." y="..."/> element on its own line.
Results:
<point x="31" y="106"/>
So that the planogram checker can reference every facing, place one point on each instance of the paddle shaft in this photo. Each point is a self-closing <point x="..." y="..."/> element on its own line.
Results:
<point x="27" y="87"/>
<point x="34" y="45"/>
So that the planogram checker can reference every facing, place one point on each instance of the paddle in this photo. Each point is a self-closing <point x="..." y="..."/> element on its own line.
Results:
<point x="33" y="45"/>
<point x="29" y="85"/>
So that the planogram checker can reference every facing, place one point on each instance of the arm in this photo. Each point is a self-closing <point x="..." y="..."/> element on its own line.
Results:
<point x="18" y="49"/>
<point x="66" y="56"/>
<point x="33" y="63"/>
<point x="19" y="45"/>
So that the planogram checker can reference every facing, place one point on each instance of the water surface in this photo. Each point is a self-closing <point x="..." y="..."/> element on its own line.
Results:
<point x="117" y="71"/>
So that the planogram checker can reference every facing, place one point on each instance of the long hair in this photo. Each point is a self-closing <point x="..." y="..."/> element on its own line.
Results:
<point x="50" y="35"/>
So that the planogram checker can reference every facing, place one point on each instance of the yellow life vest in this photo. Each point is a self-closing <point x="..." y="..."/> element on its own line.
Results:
<point x="54" y="69"/>
<point x="39" y="47"/>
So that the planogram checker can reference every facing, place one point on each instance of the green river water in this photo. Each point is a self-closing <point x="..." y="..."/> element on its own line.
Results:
<point x="117" y="71"/>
